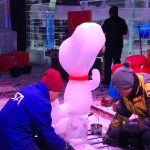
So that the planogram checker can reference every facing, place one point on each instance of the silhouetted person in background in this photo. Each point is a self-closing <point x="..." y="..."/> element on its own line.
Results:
<point x="114" y="28"/>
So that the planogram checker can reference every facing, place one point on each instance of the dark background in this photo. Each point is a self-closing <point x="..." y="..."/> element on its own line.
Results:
<point x="19" y="22"/>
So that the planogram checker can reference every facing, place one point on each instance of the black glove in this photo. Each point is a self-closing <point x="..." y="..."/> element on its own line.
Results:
<point x="114" y="137"/>
<point x="69" y="147"/>
<point x="106" y="138"/>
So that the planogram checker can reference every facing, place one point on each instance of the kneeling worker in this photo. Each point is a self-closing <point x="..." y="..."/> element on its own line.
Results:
<point x="135" y="92"/>
<point x="26" y="115"/>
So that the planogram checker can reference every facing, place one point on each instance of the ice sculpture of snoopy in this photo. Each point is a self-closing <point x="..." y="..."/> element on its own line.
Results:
<point x="77" y="55"/>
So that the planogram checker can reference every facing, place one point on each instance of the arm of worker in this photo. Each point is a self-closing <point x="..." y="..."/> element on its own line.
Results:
<point x="41" y="121"/>
<point x="121" y="116"/>
<point x="145" y="121"/>
<point x="104" y="26"/>
<point x="124" y="28"/>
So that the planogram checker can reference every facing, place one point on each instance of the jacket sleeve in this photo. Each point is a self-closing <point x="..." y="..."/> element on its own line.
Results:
<point x="122" y="114"/>
<point x="145" y="121"/>
<point x="124" y="28"/>
<point x="104" y="28"/>
<point x="41" y="124"/>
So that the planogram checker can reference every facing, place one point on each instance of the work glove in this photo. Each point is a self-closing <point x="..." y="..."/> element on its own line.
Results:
<point x="106" y="137"/>
<point x="114" y="137"/>
<point x="68" y="146"/>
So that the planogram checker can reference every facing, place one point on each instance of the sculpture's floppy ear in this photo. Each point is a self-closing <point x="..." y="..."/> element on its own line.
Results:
<point x="77" y="53"/>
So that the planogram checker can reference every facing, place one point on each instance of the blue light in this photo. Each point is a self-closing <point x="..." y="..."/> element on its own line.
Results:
<point x="144" y="30"/>
<point x="49" y="30"/>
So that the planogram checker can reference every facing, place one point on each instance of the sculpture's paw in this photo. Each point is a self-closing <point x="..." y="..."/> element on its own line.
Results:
<point x="96" y="75"/>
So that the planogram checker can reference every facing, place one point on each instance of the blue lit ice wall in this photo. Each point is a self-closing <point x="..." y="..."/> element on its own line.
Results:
<point x="39" y="25"/>
<point x="49" y="30"/>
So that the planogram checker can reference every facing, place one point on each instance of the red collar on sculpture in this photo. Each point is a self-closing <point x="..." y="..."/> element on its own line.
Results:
<point x="83" y="78"/>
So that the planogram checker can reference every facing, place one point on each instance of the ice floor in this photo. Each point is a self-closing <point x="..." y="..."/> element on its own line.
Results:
<point x="8" y="83"/>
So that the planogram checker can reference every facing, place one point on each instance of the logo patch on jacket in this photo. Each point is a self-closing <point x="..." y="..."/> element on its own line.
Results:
<point x="17" y="97"/>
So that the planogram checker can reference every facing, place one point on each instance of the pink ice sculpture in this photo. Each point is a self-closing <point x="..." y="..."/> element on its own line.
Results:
<point x="77" y="55"/>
